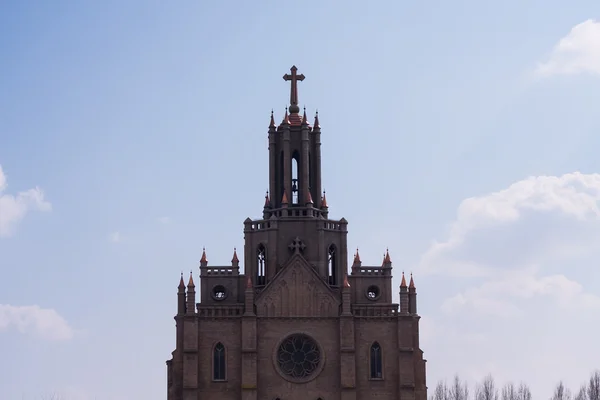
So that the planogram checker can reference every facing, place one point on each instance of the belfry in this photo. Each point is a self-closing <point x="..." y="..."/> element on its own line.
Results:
<point x="299" y="323"/>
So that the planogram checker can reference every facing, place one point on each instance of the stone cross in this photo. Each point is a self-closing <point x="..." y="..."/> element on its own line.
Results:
<point x="294" y="77"/>
<point x="297" y="245"/>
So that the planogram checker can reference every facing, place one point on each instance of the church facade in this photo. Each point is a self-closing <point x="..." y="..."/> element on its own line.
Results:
<point x="299" y="323"/>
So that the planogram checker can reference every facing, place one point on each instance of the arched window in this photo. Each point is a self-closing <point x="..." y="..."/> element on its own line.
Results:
<point x="295" y="177"/>
<point x="376" y="362"/>
<point x="261" y="261"/>
<point x="219" y="363"/>
<point x="332" y="266"/>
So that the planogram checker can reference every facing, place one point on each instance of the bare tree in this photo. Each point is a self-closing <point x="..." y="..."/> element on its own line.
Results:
<point x="459" y="390"/>
<point x="593" y="387"/>
<point x="582" y="393"/>
<point x="487" y="389"/>
<point x="523" y="393"/>
<point x="440" y="392"/>
<point x="561" y="392"/>
<point x="510" y="392"/>
<point x="52" y="396"/>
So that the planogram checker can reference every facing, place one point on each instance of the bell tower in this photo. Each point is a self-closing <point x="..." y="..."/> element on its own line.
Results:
<point x="295" y="154"/>
<point x="295" y="214"/>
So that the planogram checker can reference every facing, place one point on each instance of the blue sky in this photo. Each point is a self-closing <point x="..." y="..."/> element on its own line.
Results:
<point x="462" y="135"/>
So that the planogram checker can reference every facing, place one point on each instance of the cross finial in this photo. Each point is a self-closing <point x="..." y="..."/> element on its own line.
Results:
<point x="294" y="77"/>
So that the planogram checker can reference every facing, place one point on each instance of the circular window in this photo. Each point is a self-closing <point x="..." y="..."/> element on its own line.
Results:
<point x="299" y="358"/>
<point x="219" y="292"/>
<point x="373" y="292"/>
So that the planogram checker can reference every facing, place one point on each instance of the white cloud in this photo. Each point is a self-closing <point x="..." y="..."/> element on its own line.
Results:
<point x="44" y="323"/>
<point x="536" y="239"/>
<point x="517" y="273"/>
<point x="557" y="211"/>
<point x="14" y="208"/>
<point x="114" y="237"/>
<point x="500" y="298"/>
<point x="164" y="220"/>
<point x="578" y="52"/>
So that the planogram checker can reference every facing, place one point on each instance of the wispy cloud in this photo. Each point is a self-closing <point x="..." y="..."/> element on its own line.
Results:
<point x="164" y="220"/>
<point x="577" y="52"/>
<point x="115" y="237"/>
<point x="14" y="208"/>
<point x="44" y="323"/>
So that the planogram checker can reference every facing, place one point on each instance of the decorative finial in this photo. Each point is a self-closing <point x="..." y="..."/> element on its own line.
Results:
<point x="309" y="200"/>
<point x="203" y="259"/>
<point x="316" y="125"/>
<point x="286" y="119"/>
<point x="411" y="285"/>
<point x="284" y="199"/>
<point x="181" y="283"/>
<point x="356" y="257"/>
<point x="272" y="123"/>
<point x="267" y="200"/>
<point x="294" y="77"/>
<point x="387" y="259"/>
<point x="235" y="256"/>
<point x="191" y="282"/>
<point x="324" y="200"/>
<point x="403" y="283"/>
<point x="304" y="119"/>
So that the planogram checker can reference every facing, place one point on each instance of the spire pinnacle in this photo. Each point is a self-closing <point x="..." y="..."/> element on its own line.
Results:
<point x="304" y="119"/>
<point x="267" y="200"/>
<point x="309" y="200"/>
<point x="387" y="258"/>
<point x="249" y="282"/>
<point x="191" y="281"/>
<point x="286" y="119"/>
<point x="324" y="200"/>
<point x="316" y="125"/>
<point x="181" y="283"/>
<point x="411" y="285"/>
<point x="403" y="283"/>
<point x="284" y="199"/>
<point x="203" y="259"/>
<point x="235" y="258"/>
<point x="272" y="123"/>
<point x="356" y="257"/>
<point x="346" y="283"/>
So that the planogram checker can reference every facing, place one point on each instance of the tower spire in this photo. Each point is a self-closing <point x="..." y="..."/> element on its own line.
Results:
<point x="272" y="123"/>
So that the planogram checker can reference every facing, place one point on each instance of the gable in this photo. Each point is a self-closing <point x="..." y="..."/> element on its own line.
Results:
<point x="297" y="291"/>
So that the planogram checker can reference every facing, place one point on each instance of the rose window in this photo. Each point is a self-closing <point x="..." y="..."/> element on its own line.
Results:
<point x="298" y="357"/>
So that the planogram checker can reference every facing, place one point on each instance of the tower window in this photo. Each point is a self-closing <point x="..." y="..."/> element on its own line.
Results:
<point x="261" y="260"/>
<point x="295" y="178"/>
<point x="376" y="364"/>
<point x="373" y="292"/>
<point x="219" y="292"/>
<point x="332" y="266"/>
<point x="219" y="364"/>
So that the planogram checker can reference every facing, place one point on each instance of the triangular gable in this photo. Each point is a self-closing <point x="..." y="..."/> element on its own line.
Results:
<point x="297" y="291"/>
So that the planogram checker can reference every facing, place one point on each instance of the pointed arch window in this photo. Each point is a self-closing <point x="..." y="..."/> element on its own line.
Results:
<point x="332" y="266"/>
<point x="261" y="265"/>
<point x="295" y="177"/>
<point x="376" y="361"/>
<point x="219" y="363"/>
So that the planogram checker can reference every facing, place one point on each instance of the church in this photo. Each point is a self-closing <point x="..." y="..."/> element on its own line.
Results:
<point x="299" y="323"/>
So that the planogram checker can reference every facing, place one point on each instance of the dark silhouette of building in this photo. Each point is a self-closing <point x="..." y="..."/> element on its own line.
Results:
<point x="296" y="325"/>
